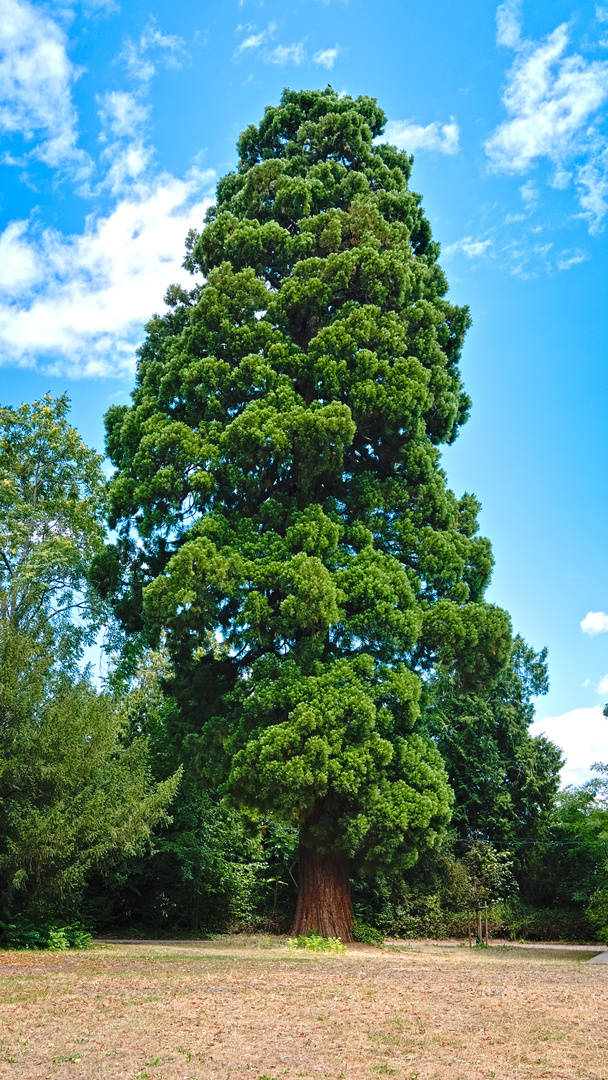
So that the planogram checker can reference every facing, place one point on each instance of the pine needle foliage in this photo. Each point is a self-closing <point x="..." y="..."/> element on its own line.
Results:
<point x="280" y="506"/>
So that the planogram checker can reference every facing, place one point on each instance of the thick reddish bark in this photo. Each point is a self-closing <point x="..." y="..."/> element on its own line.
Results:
<point x="324" y="902"/>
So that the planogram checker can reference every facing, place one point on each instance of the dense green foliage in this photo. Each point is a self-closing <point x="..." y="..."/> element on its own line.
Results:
<point x="52" y="502"/>
<point x="505" y="781"/>
<point x="278" y="498"/>
<point x="74" y="792"/>
<point x="207" y="868"/>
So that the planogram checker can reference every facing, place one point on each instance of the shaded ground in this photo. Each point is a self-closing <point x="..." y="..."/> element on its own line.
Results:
<point x="211" y="1010"/>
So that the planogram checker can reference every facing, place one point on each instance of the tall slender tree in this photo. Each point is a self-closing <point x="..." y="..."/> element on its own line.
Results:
<point x="279" y="500"/>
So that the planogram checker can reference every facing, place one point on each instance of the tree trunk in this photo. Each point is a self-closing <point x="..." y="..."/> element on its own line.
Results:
<point x="324" y="902"/>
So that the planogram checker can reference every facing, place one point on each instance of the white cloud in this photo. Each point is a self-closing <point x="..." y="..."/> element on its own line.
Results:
<point x="582" y="735"/>
<point x="592" y="185"/>
<point x="549" y="97"/>
<point x="469" y="246"/>
<point x="567" y="259"/>
<point x="601" y="14"/>
<point x="288" y="54"/>
<point x="121" y="113"/>
<point x="79" y="302"/>
<point x="36" y="78"/>
<point x="595" y="622"/>
<point x="96" y="6"/>
<point x="561" y="178"/>
<point x="554" y="100"/>
<point x="529" y="194"/>
<point x="125" y="154"/>
<point x="326" y="57"/>
<point x="407" y="135"/>
<point x="508" y="24"/>
<point x="170" y="50"/>
<point x="602" y="686"/>
<point x="254" y="41"/>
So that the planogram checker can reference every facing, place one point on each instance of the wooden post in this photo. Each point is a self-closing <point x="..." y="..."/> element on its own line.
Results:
<point x="469" y="928"/>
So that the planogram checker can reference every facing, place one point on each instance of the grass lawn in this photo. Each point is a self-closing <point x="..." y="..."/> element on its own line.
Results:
<point x="250" y="1007"/>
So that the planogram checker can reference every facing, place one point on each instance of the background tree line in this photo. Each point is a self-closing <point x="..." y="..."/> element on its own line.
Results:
<point x="309" y="711"/>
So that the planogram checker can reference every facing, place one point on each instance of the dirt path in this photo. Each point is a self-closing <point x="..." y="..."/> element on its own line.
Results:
<point x="209" y="1011"/>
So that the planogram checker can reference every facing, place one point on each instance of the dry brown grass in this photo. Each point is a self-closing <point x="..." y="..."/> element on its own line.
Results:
<point x="213" y="1010"/>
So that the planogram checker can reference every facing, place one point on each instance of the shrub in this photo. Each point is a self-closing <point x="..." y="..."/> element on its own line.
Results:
<point x="313" y="940"/>
<point x="22" y="935"/>
<point x="597" y="913"/>
<point x="367" y="934"/>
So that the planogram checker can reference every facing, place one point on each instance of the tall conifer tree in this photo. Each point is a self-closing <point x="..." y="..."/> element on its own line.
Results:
<point x="280" y="504"/>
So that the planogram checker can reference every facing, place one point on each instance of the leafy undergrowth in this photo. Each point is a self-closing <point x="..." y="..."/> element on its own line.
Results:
<point x="316" y="943"/>
<point x="22" y="935"/>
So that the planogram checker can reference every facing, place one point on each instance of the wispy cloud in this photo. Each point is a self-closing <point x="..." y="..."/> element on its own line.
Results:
<point x="568" y="259"/>
<point x="470" y="246"/>
<point x="552" y="97"/>
<point x="408" y="135"/>
<point x="529" y="194"/>
<point x="602" y="686"/>
<point x="140" y="55"/>
<point x="524" y="258"/>
<point x="592" y="186"/>
<point x="326" y="57"/>
<point x="36" y="78"/>
<point x="595" y="622"/>
<point x="253" y="40"/>
<point x="121" y="113"/>
<point x="508" y="24"/>
<point x="288" y="54"/>
<point x="260" y="42"/>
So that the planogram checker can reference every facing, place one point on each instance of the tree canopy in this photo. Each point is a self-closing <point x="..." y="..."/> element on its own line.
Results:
<point x="52" y="509"/>
<point x="281" y="510"/>
<point x="504" y="780"/>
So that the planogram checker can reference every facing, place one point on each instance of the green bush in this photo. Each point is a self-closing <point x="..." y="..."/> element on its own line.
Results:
<point x="367" y="934"/>
<point x="515" y="920"/>
<point x="597" y="913"/>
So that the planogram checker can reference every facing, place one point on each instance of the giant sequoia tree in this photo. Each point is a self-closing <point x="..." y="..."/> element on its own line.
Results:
<point x="279" y="503"/>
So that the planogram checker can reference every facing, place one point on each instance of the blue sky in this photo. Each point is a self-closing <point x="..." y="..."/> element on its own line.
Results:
<point x="115" y="124"/>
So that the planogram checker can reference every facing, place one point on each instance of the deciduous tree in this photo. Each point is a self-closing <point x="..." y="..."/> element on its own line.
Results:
<point x="52" y="492"/>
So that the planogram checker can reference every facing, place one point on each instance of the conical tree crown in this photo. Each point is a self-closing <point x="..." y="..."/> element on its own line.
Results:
<point x="280" y="463"/>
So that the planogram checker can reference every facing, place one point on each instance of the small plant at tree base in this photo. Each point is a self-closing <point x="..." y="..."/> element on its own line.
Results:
<point x="312" y="940"/>
<point x="367" y="934"/>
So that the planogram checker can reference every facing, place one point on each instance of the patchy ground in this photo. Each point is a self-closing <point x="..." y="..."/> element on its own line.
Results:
<point x="211" y="1010"/>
